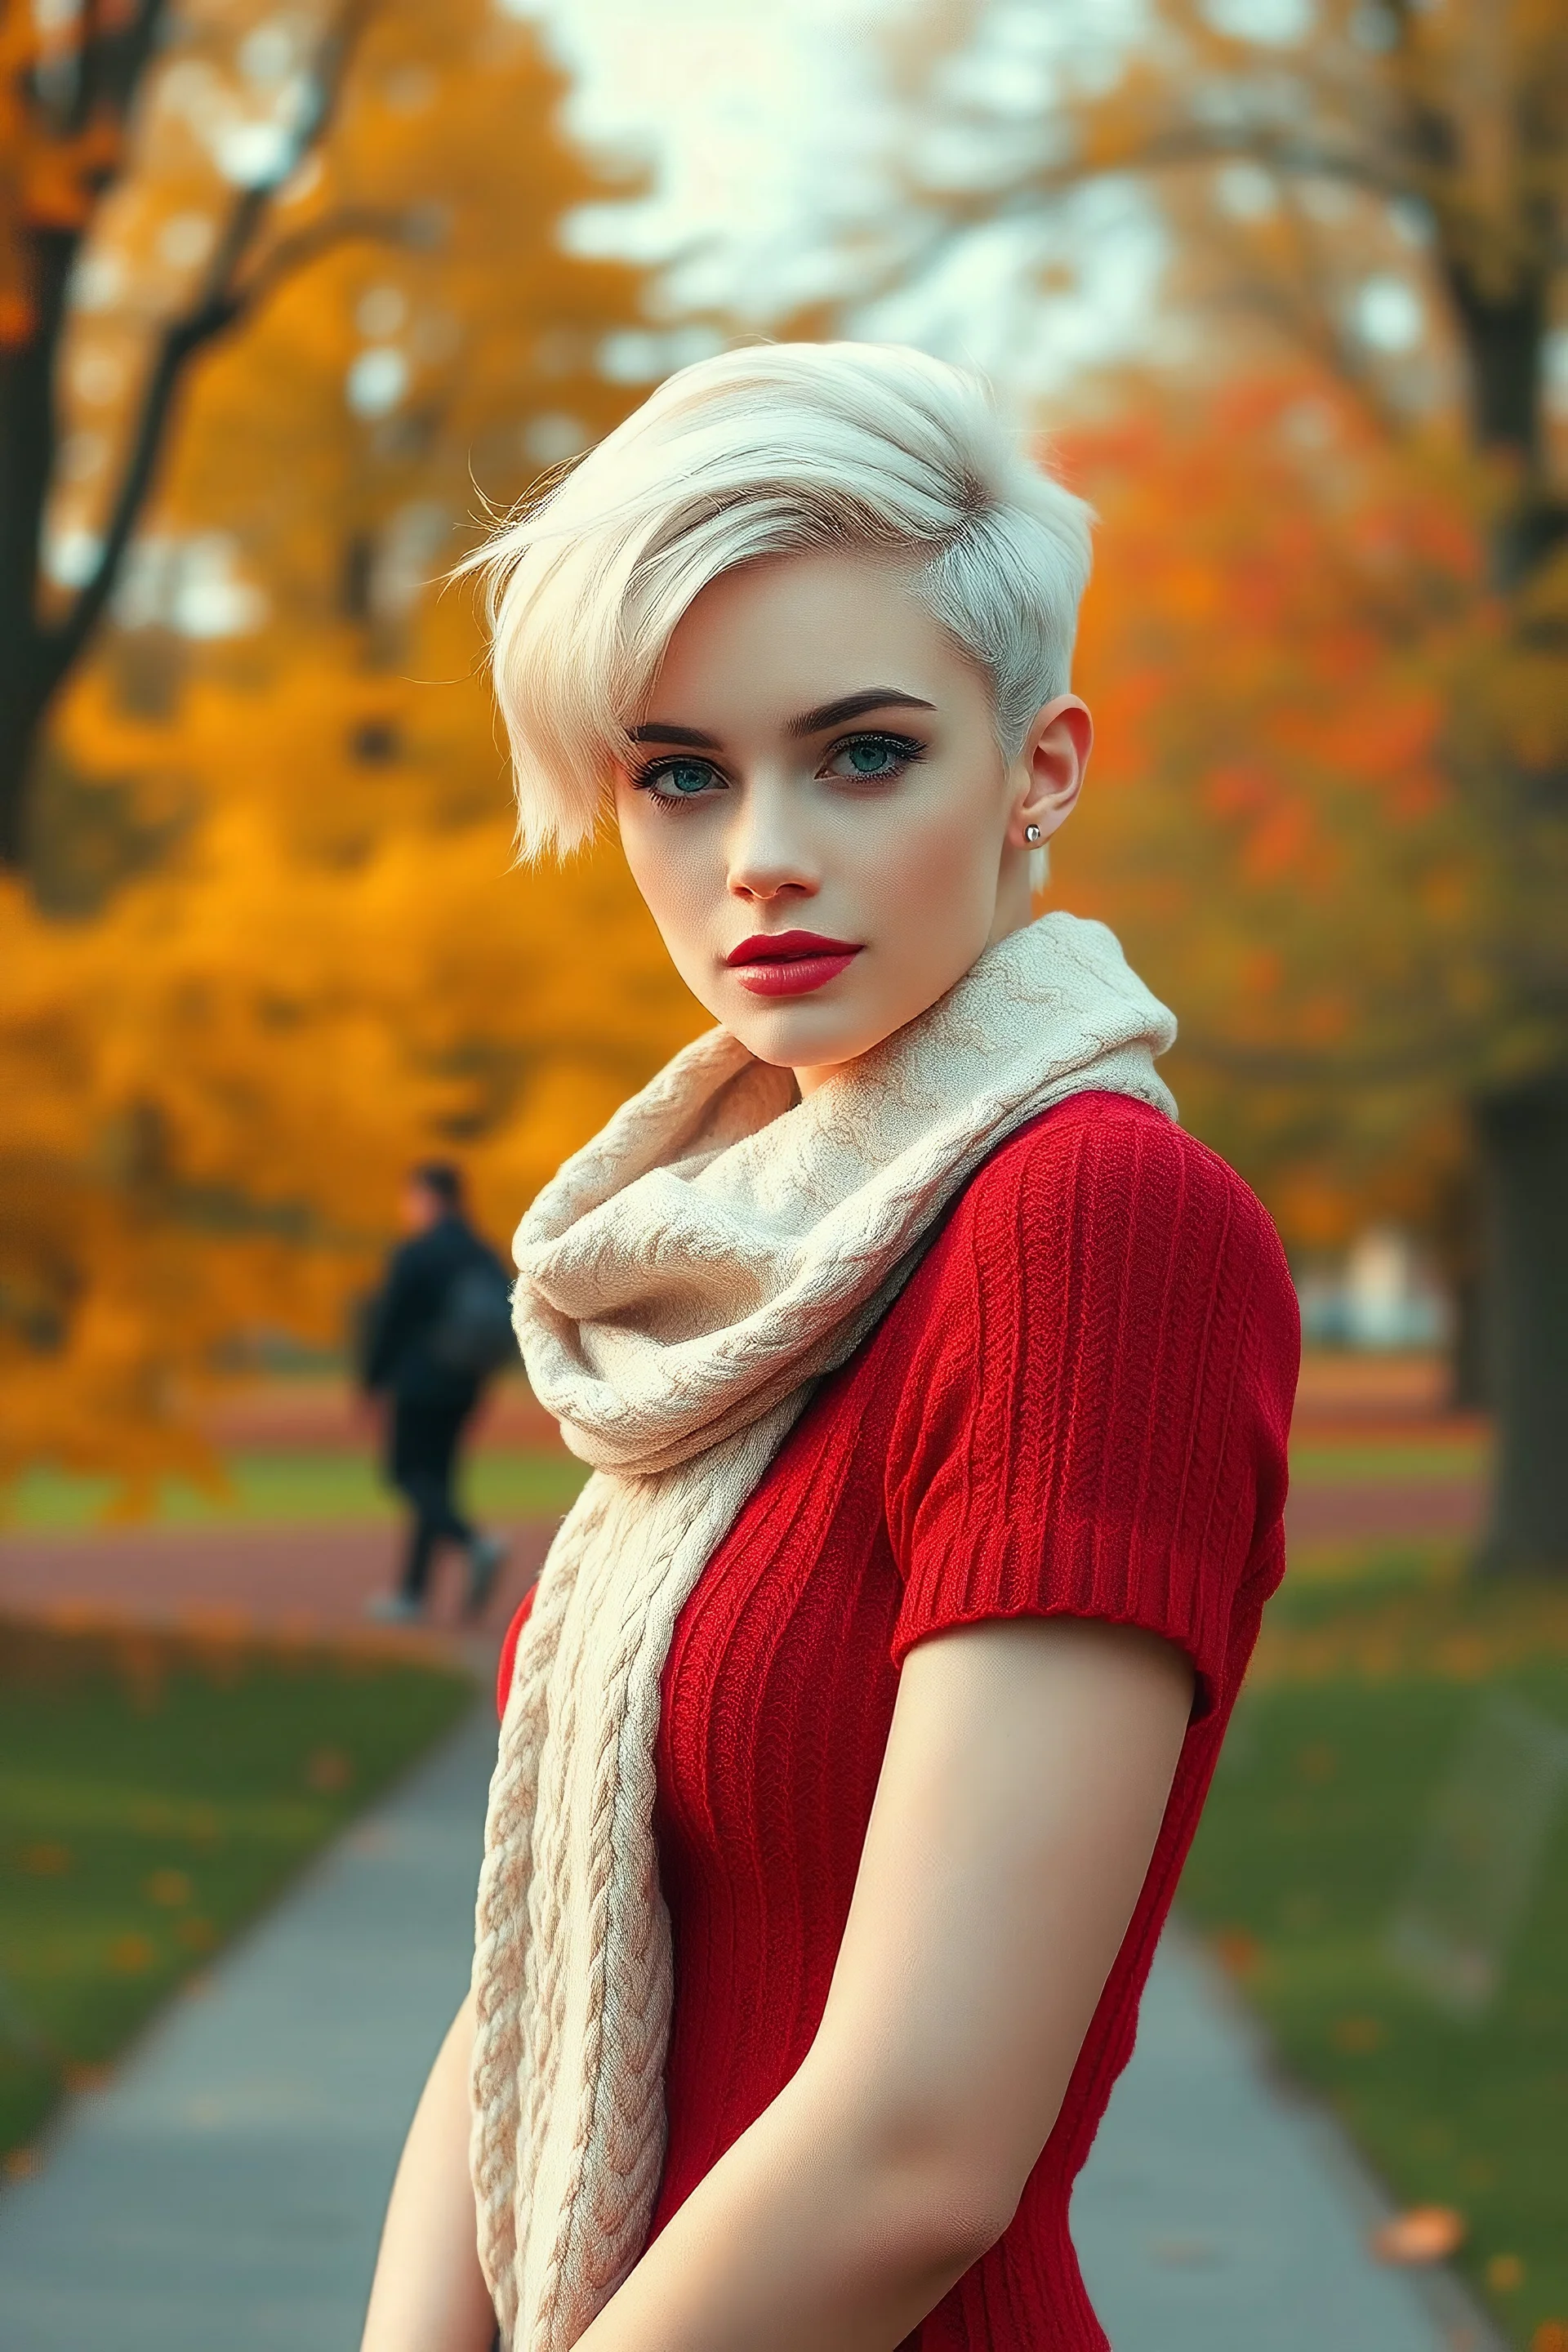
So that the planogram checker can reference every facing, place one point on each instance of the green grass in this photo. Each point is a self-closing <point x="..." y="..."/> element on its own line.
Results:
<point x="1350" y="1460"/>
<point x="1364" y="1687"/>
<point x="304" y="1486"/>
<point x="156" y="1792"/>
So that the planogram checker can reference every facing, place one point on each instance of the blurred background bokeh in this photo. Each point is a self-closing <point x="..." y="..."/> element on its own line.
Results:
<point x="291" y="298"/>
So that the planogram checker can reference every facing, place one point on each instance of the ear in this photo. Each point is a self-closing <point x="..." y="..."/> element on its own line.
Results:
<point x="1048" y="774"/>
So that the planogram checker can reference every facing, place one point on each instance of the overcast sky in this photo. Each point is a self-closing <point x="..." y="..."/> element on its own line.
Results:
<point x="760" y="125"/>
<point x="749" y="117"/>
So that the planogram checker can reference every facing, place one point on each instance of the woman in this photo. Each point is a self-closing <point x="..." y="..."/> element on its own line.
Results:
<point x="938" y="1386"/>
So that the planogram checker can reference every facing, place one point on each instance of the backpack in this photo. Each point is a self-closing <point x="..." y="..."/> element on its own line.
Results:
<point x="474" y="1334"/>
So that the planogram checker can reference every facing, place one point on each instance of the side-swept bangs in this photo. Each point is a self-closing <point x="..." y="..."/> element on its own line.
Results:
<point x="765" y="451"/>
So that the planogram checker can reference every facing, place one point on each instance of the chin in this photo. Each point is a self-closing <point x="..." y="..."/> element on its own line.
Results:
<point x="791" y="1042"/>
<point x="786" y="1051"/>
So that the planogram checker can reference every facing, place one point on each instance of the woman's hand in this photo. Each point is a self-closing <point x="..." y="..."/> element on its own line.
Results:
<point x="1020" y="1799"/>
<point x="429" y="2293"/>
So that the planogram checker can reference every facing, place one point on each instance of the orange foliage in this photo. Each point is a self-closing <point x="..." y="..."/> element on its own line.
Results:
<point x="212" y="1087"/>
<point x="1286" y="620"/>
<point x="211" y="1079"/>
<point x="50" y="176"/>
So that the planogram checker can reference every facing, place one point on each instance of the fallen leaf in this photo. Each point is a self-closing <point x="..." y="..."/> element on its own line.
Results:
<point x="1357" y="2034"/>
<point x="328" y="1770"/>
<point x="1237" y="1950"/>
<point x="1426" y="2234"/>
<point x="46" y="1860"/>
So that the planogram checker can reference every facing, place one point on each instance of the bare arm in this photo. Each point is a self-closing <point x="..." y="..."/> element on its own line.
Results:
<point x="1020" y="1799"/>
<point x="429" y="2293"/>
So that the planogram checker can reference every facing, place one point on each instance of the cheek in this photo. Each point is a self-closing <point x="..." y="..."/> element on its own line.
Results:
<point x="668" y="862"/>
<point x="938" y="868"/>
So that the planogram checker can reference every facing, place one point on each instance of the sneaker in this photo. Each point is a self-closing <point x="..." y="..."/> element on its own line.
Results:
<point x="394" y="1609"/>
<point x="486" y="1554"/>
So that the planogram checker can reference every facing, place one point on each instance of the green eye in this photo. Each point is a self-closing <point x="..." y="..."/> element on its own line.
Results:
<point x="872" y="757"/>
<point x="680" y="780"/>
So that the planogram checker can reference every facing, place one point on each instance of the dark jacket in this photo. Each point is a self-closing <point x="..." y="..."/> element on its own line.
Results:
<point x="406" y="1312"/>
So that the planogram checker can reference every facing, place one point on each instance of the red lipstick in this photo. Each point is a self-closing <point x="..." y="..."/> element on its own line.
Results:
<point x="789" y="963"/>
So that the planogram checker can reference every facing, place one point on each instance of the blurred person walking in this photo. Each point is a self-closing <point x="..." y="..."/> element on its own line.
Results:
<point x="439" y="1327"/>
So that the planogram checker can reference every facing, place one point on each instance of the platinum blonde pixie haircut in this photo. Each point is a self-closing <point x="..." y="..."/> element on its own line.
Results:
<point x="767" y="451"/>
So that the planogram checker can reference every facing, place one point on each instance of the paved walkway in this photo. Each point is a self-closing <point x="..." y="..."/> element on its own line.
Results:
<point x="317" y="1579"/>
<point x="1219" y="2213"/>
<point x="227" y="2188"/>
<point x="296" y="1579"/>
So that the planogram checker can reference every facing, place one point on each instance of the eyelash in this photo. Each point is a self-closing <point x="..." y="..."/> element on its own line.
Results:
<point x="905" y="749"/>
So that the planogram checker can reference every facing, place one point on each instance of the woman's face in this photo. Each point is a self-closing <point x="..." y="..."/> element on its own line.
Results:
<point x="819" y="817"/>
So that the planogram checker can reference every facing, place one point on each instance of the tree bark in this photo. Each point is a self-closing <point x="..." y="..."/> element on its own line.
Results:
<point x="27" y="459"/>
<point x="38" y="657"/>
<point x="1459" y="1238"/>
<point x="1523" y="1140"/>
<point x="1521" y="1129"/>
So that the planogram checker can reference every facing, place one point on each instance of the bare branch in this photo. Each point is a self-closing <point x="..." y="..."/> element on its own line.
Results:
<point x="957" y="213"/>
<point x="180" y="343"/>
<point x="224" y="298"/>
<point x="1303" y="308"/>
<point x="289" y="255"/>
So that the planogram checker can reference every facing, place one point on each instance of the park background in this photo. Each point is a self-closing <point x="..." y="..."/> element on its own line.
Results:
<point x="292" y="298"/>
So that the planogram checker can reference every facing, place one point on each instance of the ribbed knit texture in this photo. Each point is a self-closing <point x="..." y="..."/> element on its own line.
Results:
<point x="683" y="1284"/>
<point x="1078" y="1404"/>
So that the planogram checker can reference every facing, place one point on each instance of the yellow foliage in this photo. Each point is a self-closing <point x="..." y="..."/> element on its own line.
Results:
<point x="1278" y="644"/>
<point x="211" y="1081"/>
<point x="211" y="1088"/>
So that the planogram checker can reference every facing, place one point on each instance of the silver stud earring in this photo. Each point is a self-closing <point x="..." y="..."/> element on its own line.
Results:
<point x="1033" y="836"/>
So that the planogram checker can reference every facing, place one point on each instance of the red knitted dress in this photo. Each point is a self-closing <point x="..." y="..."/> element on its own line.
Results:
<point x="1079" y="1405"/>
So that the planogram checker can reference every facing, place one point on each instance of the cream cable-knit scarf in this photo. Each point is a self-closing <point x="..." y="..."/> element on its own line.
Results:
<point x="684" y="1282"/>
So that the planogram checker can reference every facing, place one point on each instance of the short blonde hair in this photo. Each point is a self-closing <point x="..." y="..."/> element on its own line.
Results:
<point x="768" y="450"/>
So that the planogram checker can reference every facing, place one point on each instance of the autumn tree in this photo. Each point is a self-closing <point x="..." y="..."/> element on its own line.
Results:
<point x="82" y="91"/>
<point x="1278" y="619"/>
<point x="1378" y="187"/>
<point x="216" y="1056"/>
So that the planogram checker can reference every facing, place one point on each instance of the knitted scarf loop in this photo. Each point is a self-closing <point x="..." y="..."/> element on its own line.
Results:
<point x="684" y="1282"/>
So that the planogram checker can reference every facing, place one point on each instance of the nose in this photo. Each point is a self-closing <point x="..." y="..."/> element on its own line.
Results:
<point x="767" y="856"/>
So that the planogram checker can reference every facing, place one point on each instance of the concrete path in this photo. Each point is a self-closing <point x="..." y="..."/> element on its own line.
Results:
<point x="1218" y="2213"/>
<point x="227" y="2189"/>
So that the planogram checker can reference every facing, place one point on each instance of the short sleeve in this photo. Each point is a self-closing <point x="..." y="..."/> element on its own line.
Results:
<point x="1094" y="1419"/>
<point x="509" y="1649"/>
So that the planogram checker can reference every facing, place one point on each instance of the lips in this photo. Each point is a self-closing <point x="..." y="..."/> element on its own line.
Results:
<point x="789" y="963"/>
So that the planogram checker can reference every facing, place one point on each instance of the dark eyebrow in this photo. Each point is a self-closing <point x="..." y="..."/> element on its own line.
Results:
<point x="854" y="706"/>
<point x="654" y="730"/>
<point x="810" y="722"/>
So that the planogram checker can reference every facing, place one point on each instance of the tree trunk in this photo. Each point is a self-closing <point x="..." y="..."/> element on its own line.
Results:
<point x="1459" y="1239"/>
<point x="1523" y="1137"/>
<point x="26" y="462"/>
<point x="21" y="727"/>
<point x="1522" y="1130"/>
